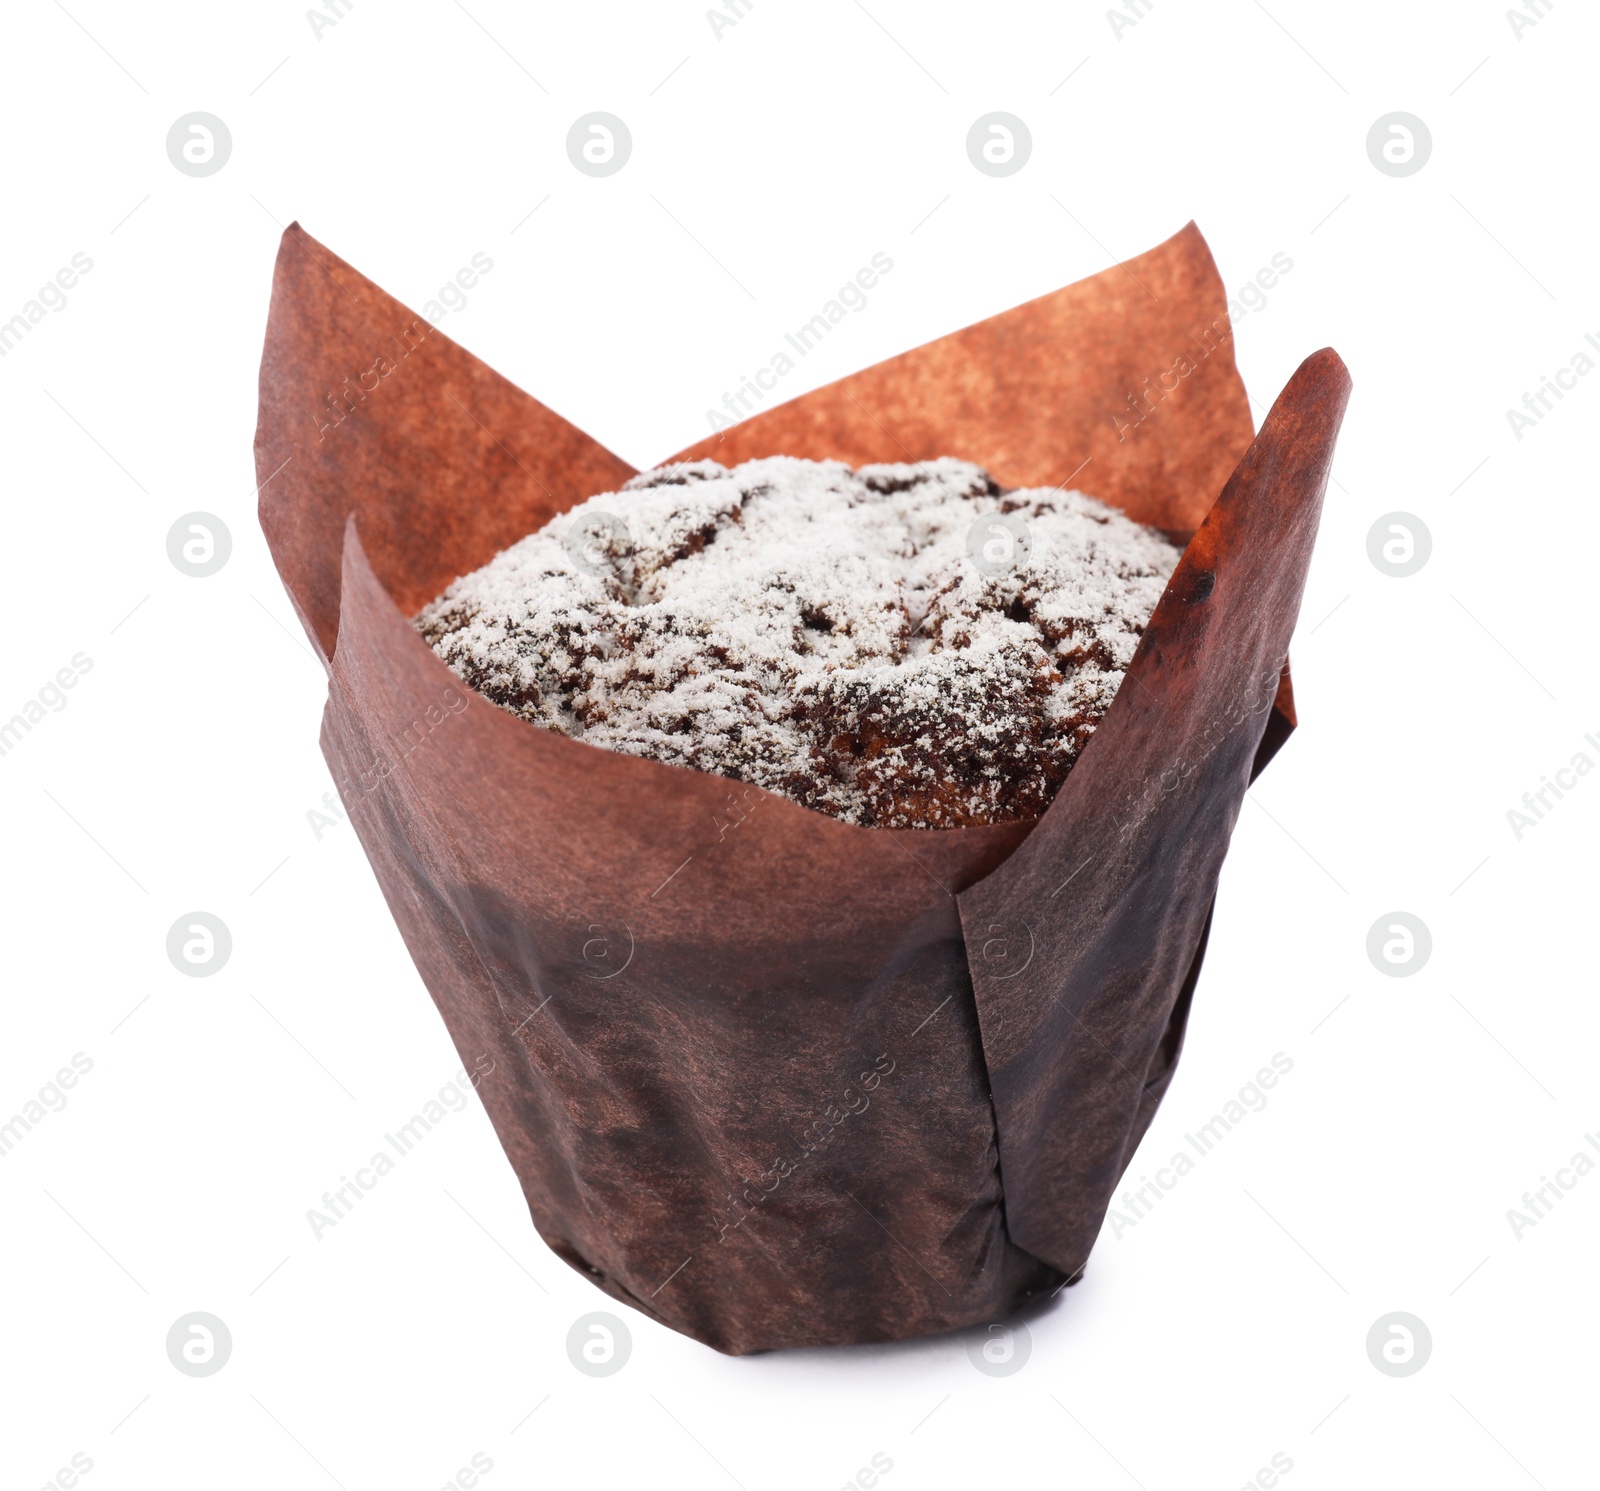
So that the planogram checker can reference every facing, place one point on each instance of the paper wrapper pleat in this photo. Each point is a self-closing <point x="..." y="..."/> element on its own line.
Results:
<point x="774" y="1079"/>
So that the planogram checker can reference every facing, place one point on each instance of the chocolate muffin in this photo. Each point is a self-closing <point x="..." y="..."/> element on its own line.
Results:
<point x="900" y="646"/>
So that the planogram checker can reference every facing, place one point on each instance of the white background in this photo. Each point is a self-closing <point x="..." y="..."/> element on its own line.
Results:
<point x="1226" y="1327"/>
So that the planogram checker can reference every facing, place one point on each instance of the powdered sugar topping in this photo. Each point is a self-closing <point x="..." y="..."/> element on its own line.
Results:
<point x="818" y="631"/>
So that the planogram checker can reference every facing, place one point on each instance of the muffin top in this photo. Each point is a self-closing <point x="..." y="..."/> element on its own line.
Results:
<point x="899" y="646"/>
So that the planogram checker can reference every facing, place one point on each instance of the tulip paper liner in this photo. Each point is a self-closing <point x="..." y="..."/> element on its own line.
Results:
<point x="775" y="1079"/>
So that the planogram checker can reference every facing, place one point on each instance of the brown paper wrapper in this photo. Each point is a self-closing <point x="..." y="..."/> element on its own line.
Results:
<point x="774" y="1079"/>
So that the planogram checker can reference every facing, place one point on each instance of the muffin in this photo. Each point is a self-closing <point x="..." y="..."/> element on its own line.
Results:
<point x="898" y="646"/>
